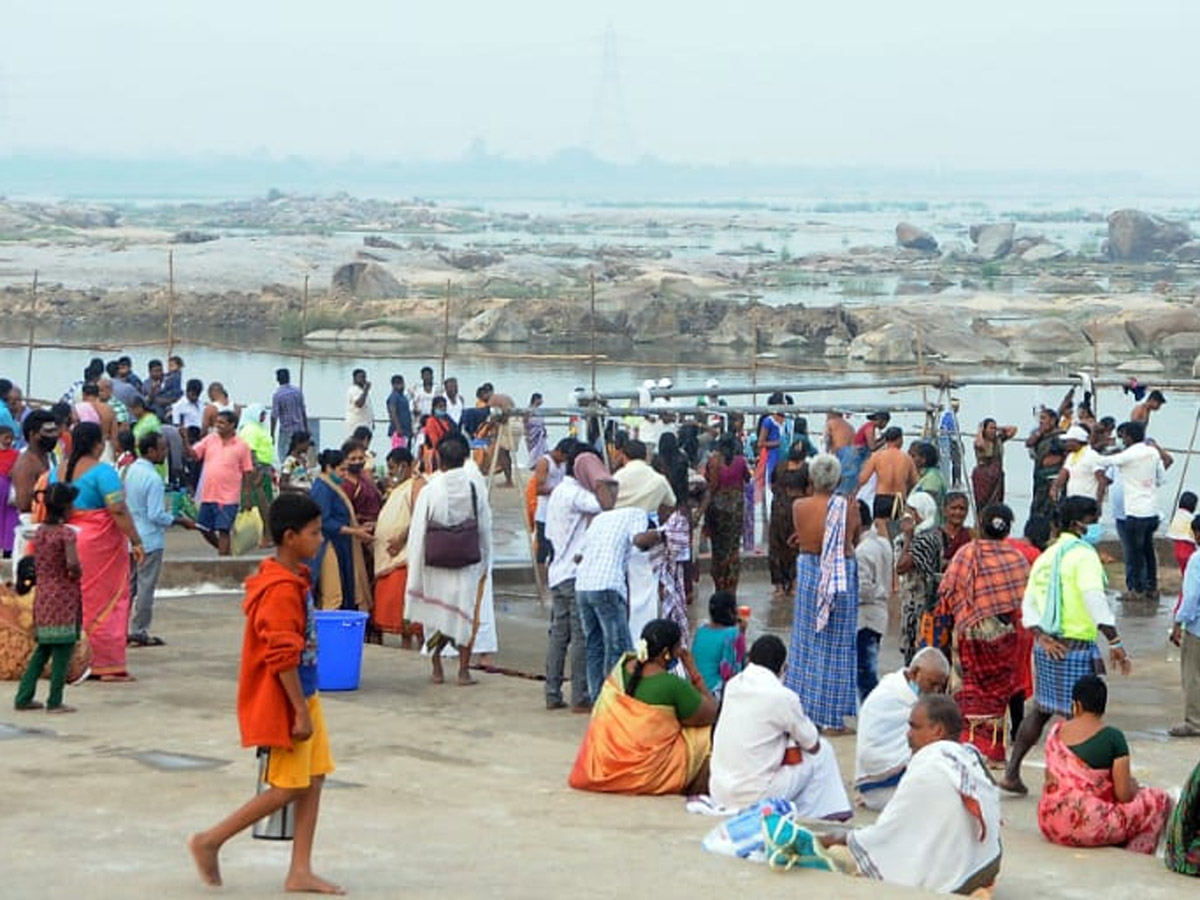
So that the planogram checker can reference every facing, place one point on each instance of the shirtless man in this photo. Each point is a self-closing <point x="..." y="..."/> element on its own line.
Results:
<point x="838" y="432"/>
<point x="839" y="441"/>
<point x="41" y="437"/>
<point x="1153" y="402"/>
<point x="896" y="471"/>
<point x="108" y="418"/>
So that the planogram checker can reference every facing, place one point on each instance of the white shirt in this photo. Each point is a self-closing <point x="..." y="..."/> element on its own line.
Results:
<point x="555" y="473"/>
<point x="1082" y="466"/>
<point x="455" y="407"/>
<point x="876" y="563"/>
<point x="357" y="416"/>
<point x="187" y="414"/>
<point x="639" y="485"/>
<point x="422" y="400"/>
<point x="759" y="718"/>
<point x="569" y="508"/>
<point x="1138" y="466"/>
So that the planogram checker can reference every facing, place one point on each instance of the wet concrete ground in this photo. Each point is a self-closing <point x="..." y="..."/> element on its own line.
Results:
<point x="443" y="790"/>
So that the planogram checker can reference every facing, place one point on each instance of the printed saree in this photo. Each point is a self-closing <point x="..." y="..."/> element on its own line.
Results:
<point x="1079" y="809"/>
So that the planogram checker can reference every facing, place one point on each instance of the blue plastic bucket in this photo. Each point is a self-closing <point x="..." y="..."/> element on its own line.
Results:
<point x="340" y="635"/>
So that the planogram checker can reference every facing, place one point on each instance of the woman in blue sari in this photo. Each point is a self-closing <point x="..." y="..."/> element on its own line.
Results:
<point x="339" y="566"/>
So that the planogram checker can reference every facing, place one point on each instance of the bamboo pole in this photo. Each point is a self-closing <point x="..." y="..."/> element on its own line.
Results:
<point x="592" y="327"/>
<point x="170" y="303"/>
<point x="303" y="329"/>
<point x="32" y="326"/>
<point x="753" y="355"/>
<point x="1187" y="461"/>
<point x="445" y="329"/>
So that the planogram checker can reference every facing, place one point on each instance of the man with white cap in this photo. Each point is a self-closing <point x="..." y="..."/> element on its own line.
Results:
<point x="1082" y="474"/>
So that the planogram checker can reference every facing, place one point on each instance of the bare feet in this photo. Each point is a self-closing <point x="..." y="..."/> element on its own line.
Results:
<point x="1013" y="785"/>
<point x="61" y="708"/>
<point x="465" y="679"/>
<point x="438" y="677"/>
<point x="28" y="707"/>
<point x="308" y="883"/>
<point x="121" y="678"/>
<point x="207" y="864"/>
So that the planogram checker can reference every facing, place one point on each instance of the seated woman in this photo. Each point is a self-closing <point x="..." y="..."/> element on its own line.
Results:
<point x="719" y="647"/>
<point x="650" y="730"/>
<point x="1091" y="798"/>
<point x="1183" y="832"/>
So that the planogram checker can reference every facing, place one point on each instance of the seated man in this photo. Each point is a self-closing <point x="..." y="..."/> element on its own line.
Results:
<point x="882" y="752"/>
<point x="761" y="730"/>
<point x="941" y="831"/>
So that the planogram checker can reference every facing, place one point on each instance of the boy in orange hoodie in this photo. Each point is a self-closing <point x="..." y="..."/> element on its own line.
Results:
<point x="277" y="701"/>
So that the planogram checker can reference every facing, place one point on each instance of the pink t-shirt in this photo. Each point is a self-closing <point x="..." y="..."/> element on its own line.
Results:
<point x="224" y="464"/>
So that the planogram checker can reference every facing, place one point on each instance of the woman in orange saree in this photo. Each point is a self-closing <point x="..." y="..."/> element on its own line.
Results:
<point x="105" y="535"/>
<point x="651" y="731"/>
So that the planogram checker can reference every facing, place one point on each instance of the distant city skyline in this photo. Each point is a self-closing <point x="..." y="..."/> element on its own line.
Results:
<point x="1070" y="87"/>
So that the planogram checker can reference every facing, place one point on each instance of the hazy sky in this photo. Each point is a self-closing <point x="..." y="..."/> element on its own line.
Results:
<point x="1053" y="84"/>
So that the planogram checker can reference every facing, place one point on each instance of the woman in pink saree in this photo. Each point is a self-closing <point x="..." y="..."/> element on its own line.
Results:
<point x="1090" y="798"/>
<point x="105" y="535"/>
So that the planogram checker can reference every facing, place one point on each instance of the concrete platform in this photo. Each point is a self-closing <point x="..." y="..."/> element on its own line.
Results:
<point x="445" y="791"/>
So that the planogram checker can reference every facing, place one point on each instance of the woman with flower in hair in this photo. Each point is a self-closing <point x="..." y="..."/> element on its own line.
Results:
<point x="650" y="731"/>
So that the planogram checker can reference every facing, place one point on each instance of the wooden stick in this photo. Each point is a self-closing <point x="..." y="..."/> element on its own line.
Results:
<point x="445" y="329"/>
<point x="592" y="328"/>
<point x="303" y="329"/>
<point x="1187" y="461"/>
<point x="32" y="326"/>
<point x="170" y="303"/>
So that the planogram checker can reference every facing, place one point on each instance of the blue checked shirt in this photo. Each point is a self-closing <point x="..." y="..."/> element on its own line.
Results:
<point x="606" y="548"/>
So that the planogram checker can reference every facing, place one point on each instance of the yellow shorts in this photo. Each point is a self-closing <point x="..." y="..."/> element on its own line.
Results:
<point x="296" y="768"/>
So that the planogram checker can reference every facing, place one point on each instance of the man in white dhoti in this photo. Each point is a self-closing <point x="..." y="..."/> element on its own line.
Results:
<point x="445" y="582"/>
<point x="881" y="753"/>
<point x="764" y="746"/>
<point x="941" y="831"/>
<point x="640" y="486"/>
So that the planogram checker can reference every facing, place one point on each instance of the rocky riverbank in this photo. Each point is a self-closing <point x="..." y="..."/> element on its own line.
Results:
<point x="994" y="293"/>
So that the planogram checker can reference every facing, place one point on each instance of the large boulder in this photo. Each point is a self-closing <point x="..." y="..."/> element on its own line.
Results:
<point x="654" y="322"/>
<point x="737" y="329"/>
<point x="911" y="237"/>
<point x="1043" y="252"/>
<point x="367" y="281"/>
<point x="1135" y="236"/>
<point x="993" y="241"/>
<point x="496" y="325"/>
<point x="1189" y="252"/>
<point x="1148" y="331"/>
<point x="893" y="344"/>
<point x="1182" y="346"/>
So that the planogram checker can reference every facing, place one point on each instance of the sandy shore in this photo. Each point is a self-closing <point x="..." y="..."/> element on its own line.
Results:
<point x="442" y="791"/>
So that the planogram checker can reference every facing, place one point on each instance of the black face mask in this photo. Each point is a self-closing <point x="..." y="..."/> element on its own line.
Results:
<point x="354" y="468"/>
<point x="47" y="444"/>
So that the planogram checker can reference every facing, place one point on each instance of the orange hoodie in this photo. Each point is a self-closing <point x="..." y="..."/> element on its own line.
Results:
<point x="276" y="611"/>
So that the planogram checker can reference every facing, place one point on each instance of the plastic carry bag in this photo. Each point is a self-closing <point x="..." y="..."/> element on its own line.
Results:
<point x="741" y="835"/>
<point x="247" y="532"/>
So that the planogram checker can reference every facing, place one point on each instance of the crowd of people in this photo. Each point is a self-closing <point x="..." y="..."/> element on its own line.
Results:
<point x="998" y="633"/>
<point x="1008" y="626"/>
